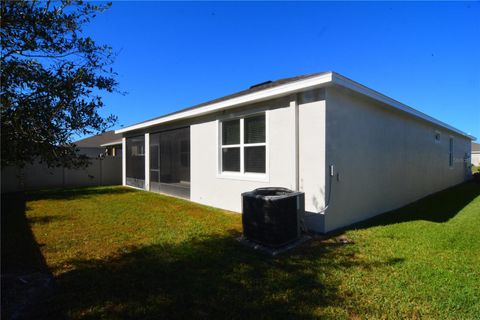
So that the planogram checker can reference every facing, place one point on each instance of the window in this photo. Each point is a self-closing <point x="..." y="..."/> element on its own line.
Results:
<point x="243" y="147"/>
<point x="437" y="137"/>
<point x="450" y="154"/>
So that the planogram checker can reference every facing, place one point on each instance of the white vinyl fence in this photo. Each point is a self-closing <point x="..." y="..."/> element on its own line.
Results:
<point x="106" y="171"/>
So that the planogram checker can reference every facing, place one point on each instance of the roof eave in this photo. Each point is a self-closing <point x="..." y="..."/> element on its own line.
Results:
<point x="259" y="96"/>
<point x="113" y="143"/>
<point x="290" y="88"/>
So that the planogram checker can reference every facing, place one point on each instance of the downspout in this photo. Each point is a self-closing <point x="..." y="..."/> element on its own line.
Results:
<point x="330" y="178"/>
<point x="147" y="161"/>
<point x="296" y="155"/>
<point x="294" y="105"/>
<point x="124" y="161"/>
<point x="295" y="111"/>
<point x="330" y="166"/>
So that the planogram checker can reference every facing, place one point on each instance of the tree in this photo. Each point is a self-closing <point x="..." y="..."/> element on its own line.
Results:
<point x="51" y="79"/>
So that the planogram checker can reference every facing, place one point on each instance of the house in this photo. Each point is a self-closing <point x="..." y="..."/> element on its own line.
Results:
<point x="475" y="154"/>
<point x="354" y="152"/>
<point x="104" y="144"/>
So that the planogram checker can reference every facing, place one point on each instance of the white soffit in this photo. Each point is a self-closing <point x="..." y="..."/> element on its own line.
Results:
<point x="113" y="143"/>
<point x="289" y="88"/>
<point x="238" y="101"/>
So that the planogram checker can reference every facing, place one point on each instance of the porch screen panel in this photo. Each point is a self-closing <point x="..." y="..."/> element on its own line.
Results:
<point x="154" y="161"/>
<point x="175" y="156"/>
<point x="170" y="162"/>
<point x="135" y="161"/>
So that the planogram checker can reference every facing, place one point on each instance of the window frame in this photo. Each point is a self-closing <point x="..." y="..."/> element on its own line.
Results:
<point x="439" y="135"/>
<point x="242" y="175"/>
<point x="451" y="152"/>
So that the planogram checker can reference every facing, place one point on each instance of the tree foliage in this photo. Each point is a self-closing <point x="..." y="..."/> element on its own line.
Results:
<point x="51" y="80"/>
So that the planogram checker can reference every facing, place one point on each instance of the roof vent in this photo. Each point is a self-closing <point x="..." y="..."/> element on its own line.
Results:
<point x="260" y="84"/>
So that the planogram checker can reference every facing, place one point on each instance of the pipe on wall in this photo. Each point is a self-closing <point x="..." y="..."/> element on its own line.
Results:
<point x="294" y="107"/>
<point x="124" y="161"/>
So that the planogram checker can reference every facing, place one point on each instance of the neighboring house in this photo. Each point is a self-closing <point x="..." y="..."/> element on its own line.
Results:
<point x="475" y="154"/>
<point x="352" y="150"/>
<point x="105" y="144"/>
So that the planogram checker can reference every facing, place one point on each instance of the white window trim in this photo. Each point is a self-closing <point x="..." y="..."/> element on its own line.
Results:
<point x="242" y="175"/>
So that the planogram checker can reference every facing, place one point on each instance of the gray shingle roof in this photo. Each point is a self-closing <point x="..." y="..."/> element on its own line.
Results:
<point x="99" y="139"/>
<point x="476" y="147"/>
<point x="252" y="89"/>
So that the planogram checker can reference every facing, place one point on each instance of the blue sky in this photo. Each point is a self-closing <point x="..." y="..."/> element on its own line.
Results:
<point x="173" y="55"/>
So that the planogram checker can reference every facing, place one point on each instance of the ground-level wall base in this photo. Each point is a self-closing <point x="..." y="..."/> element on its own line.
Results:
<point x="315" y="222"/>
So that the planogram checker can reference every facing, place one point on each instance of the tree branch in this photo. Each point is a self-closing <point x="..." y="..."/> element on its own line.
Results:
<point x="47" y="55"/>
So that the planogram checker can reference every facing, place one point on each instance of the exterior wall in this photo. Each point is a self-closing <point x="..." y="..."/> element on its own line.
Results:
<point x="210" y="187"/>
<point x="476" y="159"/>
<point x="312" y="156"/>
<point x="383" y="159"/>
<point x="38" y="176"/>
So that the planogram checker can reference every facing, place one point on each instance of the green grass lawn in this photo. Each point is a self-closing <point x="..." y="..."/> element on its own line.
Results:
<point x="475" y="169"/>
<point x="119" y="253"/>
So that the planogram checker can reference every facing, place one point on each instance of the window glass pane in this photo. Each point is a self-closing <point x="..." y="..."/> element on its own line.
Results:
<point x="255" y="159"/>
<point x="231" y="159"/>
<point x="231" y="132"/>
<point x="254" y="130"/>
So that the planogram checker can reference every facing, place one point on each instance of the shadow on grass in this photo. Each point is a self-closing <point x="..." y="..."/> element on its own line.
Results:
<point x="77" y="193"/>
<point x="44" y="219"/>
<point x="26" y="278"/>
<point x="211" y="277"/>
<point x="214" y="277"/>
<point x="438" y="207"/>
<point x="25" y="275"/>
<point x="20" y="252"/>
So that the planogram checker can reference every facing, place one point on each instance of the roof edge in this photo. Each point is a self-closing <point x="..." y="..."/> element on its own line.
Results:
<point x="345" y="82"/>
<point x="254" y="97"/>
<point x="289" y="88"/>
<point x="113" y="143"/>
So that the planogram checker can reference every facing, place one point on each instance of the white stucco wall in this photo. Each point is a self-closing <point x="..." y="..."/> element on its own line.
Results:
<point x="476" y="159"/>
<point x="210" y="187"/>
<point x="384" y="159"/>
<point x="312" y="158"/>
